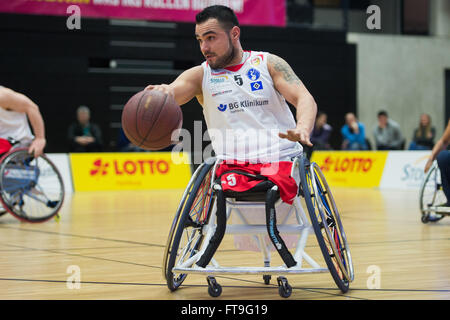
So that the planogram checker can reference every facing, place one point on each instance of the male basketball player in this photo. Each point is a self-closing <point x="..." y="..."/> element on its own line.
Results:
<point x="15" y="111"/>
<point x="243" y="97"/>
<point x="442" y="156"/>
<point x="244" y="90"/>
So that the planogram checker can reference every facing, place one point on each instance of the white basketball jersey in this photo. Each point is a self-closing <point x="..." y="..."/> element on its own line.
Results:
<point x="15" y="125"/>
<point x="244" y="112"/>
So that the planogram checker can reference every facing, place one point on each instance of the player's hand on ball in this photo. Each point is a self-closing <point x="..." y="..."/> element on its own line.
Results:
<point x="298" y="134"/>
<point x="165" y="88"/>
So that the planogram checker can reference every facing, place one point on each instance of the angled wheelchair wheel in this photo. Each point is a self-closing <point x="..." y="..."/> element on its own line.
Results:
<point x="185" y="235"/>
<point x="431" y="195"/>
<point x="31" y="189"/>
<point x="327" y="225"/>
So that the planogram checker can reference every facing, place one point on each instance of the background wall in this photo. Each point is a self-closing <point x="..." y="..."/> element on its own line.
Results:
<point x="404" y="75"/>
<point x="107" y="61"/>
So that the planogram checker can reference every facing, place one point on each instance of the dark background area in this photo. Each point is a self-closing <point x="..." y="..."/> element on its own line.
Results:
<point x="61" y="69"/>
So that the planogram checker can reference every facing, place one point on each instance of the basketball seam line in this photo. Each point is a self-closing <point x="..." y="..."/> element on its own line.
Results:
<point x="136" y="117"/>
<point x="157" y="117"/>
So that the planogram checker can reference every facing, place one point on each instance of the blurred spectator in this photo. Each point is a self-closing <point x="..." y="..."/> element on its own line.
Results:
<point x="353" y="134"/>
<point x="423" y="138"/>
<point x="320" y="135"/>
<point x="124" y="145"/>
<point x="387" y="133"/>
<point x="83" y="135"/>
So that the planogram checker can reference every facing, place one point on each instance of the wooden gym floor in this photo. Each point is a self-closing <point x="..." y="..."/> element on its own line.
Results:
<point x="116" y="240"/>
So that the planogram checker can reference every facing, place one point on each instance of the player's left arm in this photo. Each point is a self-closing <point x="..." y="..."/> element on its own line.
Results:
<point x="294" y="91"/>
<point x="18" y="102"/>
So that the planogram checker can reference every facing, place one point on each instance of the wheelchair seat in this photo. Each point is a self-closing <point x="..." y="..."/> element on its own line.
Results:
<point x="256" y="194"/>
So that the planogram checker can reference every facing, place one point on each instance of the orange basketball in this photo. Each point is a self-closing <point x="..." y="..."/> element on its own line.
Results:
<point x="149" y="118"/>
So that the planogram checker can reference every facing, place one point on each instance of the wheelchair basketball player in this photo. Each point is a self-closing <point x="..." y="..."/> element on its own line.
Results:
<point x="243" y="90"/>
<point x="442" y="156"/>
<point x="15" y="111"/>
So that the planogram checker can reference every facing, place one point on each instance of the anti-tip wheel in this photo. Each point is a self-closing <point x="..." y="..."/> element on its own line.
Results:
<point x="284" y="289"/>
<point x="214" y="289"/>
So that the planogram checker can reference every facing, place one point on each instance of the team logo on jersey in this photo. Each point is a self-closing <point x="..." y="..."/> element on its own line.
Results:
<point x="253" y="74"/>
<point x="220" y="79"/>
<point x="222" y="107"/>
<point x="256" y="61"/>
<point x="221" y="92"/>
<point x="256" y="86"/>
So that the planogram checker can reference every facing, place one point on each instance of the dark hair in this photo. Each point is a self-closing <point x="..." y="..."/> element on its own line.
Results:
<point x="226" y="17"/>
<point x="382" y="113"/>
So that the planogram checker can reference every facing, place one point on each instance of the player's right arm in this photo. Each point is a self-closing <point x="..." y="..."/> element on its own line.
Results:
<point x="439" y="146"/>
<point x="185" y="87"/>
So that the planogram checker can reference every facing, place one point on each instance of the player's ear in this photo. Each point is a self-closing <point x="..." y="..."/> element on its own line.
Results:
<point x="235" y="33"/>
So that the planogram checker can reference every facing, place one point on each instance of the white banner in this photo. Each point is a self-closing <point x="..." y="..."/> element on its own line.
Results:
<point x="404" y="169"/>
<point x="61" y="161"/>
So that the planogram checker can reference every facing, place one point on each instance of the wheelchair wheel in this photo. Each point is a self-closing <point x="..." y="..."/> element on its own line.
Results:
<point x="431" y="195"/>
<point x="185" y="236"/>
<point x="31" y="189"/>
<point x="327" y="225"/>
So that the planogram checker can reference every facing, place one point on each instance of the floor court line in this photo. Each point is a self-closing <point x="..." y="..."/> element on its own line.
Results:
<point x="163" y="246"/>
<point x="85" y="256"/>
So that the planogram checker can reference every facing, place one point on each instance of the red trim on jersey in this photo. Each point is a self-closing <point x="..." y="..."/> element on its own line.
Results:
<point x="238" y="66"/>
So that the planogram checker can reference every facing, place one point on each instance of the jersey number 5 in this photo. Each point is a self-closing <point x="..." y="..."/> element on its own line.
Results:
<point x="238" y="80"/>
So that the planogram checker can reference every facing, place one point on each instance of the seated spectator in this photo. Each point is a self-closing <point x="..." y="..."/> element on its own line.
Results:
<point x="423" y="138"/>
<point x="387" y="133"/>
<point x="83" y="135"/>
<point x="320" y="135"/>
<point x="124" y="145"/>
<point x="353" y="134"/>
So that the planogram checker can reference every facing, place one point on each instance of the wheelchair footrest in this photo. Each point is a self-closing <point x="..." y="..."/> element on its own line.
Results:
<point x="438" y="209"/>
<point x="249" y="270"/>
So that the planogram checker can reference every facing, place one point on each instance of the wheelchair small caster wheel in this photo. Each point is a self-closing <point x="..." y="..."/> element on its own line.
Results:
<point x="284" y="289"/>
<point x="424" y="218"/>
<point x="267" y="278"/>
<point x="214" y="289"/>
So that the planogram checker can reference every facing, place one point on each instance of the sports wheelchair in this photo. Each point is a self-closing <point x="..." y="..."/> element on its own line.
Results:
<point x="201" y="221"/>
<point x="31" y="189"/>
<point x="432" y="198"/>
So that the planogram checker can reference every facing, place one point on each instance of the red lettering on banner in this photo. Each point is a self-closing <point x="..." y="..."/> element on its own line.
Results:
<point x="116" y="168"/>
<point x="347" y="164"/>
<point x="160" y="164"/>
<point x="131" y="167"/>
<point x="129" y="164"/>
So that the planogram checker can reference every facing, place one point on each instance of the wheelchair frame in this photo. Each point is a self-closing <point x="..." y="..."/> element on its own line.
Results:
<point x="303" y="228"/>
<point x="26" y="185"/>
<point x="433" y="209"/>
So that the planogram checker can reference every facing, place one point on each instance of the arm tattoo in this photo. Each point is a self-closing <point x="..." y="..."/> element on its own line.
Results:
<point x="282" y="66"/>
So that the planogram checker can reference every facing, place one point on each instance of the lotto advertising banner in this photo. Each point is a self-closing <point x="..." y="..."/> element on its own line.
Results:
<point x="351" y="169"/>
<point x="249" y="12"/>
<point x="128" y="171"/>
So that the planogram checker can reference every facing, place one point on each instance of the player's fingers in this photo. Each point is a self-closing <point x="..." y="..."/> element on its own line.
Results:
<point x="282" y="135"/>
<point x="32" y="150"/>
<point x="307" y="142"/>
<point x="149" y="87"/>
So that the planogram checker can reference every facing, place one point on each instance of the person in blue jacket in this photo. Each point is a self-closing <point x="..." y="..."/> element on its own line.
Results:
<point x="353" y="134"/>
